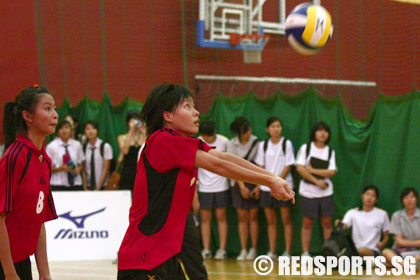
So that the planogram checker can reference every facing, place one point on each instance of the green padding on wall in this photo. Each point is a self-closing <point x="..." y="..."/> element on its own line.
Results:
<point x="384" y="150"/>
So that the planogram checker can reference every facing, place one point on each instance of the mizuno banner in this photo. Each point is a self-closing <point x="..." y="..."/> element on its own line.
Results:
<point x="90" y="226"/>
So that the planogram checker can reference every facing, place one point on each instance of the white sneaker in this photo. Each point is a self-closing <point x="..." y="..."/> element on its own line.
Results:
<point x="305" y="254"/>
<point x="252" y="254"/>
<point x="286" y="254"/>
<point x="272" y="255"/>
<point x="242" y="255"/>
<point x="206" y="254"/>
<point x="220" y="255"/>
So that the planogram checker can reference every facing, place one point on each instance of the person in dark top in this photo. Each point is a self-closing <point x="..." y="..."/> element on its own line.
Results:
<point x="25" y="194"/>
<point x="130" y="144"/>
<point x="166" y="181"/>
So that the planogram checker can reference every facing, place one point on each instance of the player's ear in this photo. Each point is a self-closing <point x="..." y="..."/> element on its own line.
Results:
<point x="168" y="116"/>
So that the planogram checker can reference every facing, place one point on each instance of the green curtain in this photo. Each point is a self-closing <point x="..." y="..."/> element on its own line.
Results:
<point x="384" y="150"/>
<point x="111" y="119"/>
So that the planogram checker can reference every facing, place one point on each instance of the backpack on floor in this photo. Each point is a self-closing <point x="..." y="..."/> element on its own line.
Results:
<point x="339" y="244"/>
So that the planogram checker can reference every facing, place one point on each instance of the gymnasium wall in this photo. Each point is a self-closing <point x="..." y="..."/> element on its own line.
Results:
<point x="86" y="48"/>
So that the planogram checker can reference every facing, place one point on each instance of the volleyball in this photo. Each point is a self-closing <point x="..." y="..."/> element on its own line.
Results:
<point x="308" y="28"/>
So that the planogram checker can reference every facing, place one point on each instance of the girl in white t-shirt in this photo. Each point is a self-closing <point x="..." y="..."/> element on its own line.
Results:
<point x="368" y="223"/>
<point x="316" y="164"/>
<point x="276" y="155"/>
<point x="213" y="193"/>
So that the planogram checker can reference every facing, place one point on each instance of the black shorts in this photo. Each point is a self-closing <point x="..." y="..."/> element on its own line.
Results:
<point x="23" y="269"/>
<point x="239" y="202"/>
<point x="317" y="207"/>
<point x="66" y="188"/>
<point x="214" y="200"/>
<point x="169" y="270"/>
<point x="268" y="201"/>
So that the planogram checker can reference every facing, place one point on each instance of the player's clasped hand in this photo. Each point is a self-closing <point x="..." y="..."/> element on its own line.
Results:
<point x="281" y="190"/>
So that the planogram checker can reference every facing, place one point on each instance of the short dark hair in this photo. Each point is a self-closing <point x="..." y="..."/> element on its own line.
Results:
<point x="163" y="98"/>
<point x="407" y="191"/>
<point x="367" y="188"/>
<point x="61" y="124"/>
<point x="320" y="126"/>
<point x="371" y="187"/>
<point x="13" y="122"/>
<point x="240" y="125"/>
<point x="273" y="119"/>
<point x="92" y="123"/>
<point x="207" y="128"/>
<point x="133" y="114"/>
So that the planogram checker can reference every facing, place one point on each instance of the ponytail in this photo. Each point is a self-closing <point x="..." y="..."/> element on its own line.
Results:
<point x="9" y="121"/>
<point x="13" y="122"/>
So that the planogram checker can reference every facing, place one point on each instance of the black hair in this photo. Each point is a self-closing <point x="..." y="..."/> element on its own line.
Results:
<point x="240" y="125"/>
<point x="92" y="123"/>
<point x="133" y="114"/>
<point x="163" y="98"/>
<point x="207" y="128"/>
<point x="62" y="123"/>
<point x="407" y="191"/>
<point x="13" y="122"/>
<point x="320" y="126"/>
<point x="368" y="188"/>
<point x="272" y="120"/>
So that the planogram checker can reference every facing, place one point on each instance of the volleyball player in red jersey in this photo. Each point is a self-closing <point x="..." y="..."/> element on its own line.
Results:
<point x="25" y="197"/>
<point x="166" y="181"/>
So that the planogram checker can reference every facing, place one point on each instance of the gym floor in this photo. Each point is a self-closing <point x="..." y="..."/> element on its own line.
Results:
<point x="218" y="270"/>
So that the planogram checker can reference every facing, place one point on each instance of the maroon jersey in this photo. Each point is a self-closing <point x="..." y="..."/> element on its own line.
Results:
<point x="163" y="192"/>
<point x="25" y="195"/>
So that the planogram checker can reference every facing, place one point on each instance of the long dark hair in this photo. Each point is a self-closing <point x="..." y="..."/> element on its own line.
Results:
<point x="240" y="125"/>
<point x="163" y="98"/>
<point x="13" y="122"/>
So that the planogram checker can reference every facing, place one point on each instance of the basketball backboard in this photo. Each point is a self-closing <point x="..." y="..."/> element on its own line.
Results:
<point x="218" y="19"/>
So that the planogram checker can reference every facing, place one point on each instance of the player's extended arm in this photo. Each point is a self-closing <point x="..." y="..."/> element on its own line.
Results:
<point x="5" y="253"/>
<point x="239" y="161"/>
<point x="41" y="256"/>
<point x="246" y="173"/>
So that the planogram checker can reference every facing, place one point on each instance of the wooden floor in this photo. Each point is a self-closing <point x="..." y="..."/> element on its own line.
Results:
<point x="218" y="270"/>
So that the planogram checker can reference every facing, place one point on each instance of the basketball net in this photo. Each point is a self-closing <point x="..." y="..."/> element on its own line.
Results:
<point x="252" y="46"/>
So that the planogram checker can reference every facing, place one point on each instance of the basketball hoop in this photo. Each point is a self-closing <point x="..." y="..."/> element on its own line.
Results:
<point x="252" y="45"/>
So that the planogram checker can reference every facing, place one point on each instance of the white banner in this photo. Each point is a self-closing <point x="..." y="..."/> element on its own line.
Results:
<point x="91" y="225"/>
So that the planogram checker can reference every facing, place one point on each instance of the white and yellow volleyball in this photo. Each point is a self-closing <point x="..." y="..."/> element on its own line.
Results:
<point x="308" y="28"/>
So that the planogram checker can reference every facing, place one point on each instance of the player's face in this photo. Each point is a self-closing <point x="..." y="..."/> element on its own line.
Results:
<point x="64" y="132"/>
<point x="184" y="119"/>
<point x="91" y="132"/>
<point x="275" y="129"/>
<point x="369" y="198"/>
<point x="321" y="135"/>
<point x="410" y="201"/>
<point x="44" y="119"/>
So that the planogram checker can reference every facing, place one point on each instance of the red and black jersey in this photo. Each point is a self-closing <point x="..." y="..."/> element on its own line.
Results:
<point x="25" y="195"/>
<point x="163" y="192"/>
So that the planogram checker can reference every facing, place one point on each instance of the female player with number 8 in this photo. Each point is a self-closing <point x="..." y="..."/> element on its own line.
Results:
<point x="25" y="196"/>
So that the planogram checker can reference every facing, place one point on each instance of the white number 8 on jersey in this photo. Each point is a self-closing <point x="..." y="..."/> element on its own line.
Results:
<point x="40" y="205"/>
